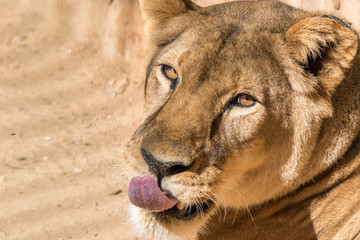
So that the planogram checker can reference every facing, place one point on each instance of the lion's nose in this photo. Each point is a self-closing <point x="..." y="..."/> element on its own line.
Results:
<point x="162" y="168"/>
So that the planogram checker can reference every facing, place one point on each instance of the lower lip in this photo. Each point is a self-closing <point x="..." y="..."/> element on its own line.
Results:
<point x="185" y="214"/>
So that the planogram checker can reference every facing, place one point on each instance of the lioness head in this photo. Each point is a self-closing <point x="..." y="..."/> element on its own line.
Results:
<point x="235" y="98"/>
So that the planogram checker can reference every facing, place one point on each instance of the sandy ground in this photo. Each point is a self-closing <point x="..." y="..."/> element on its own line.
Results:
<point x="71" y="94"/>
<point x="66" y="111"/>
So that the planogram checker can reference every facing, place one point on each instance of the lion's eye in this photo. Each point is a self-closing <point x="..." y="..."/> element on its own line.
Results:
<point x="169" y="72"/>
<point x="242" y="100"/>
<point x="245" y="100"/>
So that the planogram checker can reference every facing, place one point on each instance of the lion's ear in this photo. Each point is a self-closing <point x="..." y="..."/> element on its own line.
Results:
<point x="157" y="12"/>
<point x="325" y="46"/>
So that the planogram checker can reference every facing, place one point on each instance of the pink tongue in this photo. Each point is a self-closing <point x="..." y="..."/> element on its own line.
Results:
<point x="145" y="193"/>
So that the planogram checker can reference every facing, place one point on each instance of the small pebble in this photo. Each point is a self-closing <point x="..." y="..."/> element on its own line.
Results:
<point x="77" y="170"/>
<point x="2" y="179"/>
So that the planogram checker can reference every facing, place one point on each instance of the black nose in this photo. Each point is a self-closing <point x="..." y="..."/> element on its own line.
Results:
<point x="160" y="168"/>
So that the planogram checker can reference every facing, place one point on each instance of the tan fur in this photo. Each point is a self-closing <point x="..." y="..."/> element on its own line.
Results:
<point x="287" y="167"/>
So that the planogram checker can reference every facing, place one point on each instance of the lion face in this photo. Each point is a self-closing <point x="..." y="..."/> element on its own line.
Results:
<point x="231" y="113"/>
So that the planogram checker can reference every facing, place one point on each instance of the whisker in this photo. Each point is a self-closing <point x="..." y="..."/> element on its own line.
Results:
<point x="236" y="212"/>
<point x="225" y="212"/>
<point x="197" y="205"/>
<point x="187" y="209"/>
<point x="200" y="205"/>
<point x="222" y="200"/>
<point x="210" y="197"/>
<point x="215" y="208"/>
<point x="251" y="216"/>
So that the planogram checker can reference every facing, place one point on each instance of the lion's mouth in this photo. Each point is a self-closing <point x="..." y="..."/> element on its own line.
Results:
<point x="145" y="193"/>
<point x="186" y="213"/>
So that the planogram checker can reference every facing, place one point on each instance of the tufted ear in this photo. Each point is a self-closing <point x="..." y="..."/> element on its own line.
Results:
<point x="325" y="47"/>
<point x="157" y="12"/>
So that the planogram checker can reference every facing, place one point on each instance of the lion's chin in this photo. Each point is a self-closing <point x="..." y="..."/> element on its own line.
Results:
<point x="164" y="226"/>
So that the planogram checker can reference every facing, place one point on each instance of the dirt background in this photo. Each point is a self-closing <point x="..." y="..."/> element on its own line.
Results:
<point x="71" y="94"/>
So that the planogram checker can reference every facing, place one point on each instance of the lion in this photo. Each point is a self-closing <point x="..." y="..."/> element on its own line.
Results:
<point x="251" y="124"/>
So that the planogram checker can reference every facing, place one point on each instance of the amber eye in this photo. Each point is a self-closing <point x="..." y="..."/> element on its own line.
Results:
<point x="242" y="100"/>
<point x="169" y="72"/>
<point x="245" y="100"/>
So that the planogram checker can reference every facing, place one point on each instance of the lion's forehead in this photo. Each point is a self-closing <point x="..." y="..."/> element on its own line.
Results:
<point x="254" y="15"/>
<point x="234" y="53"/>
